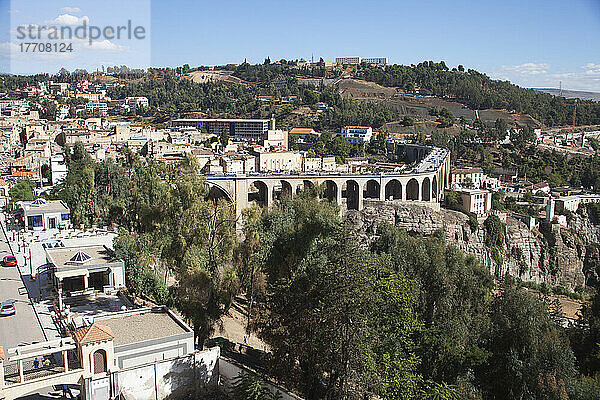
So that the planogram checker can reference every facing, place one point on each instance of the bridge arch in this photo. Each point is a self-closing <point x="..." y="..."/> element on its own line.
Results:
<point x="352" y="193"/>
<point x="393" y="190"/>
<point x="435" y="188"/>
<point x="372" y="190"/>
<point x="260" y="194"/>
<point x="331" y="190"/>
<point x="216" y="192"/>
<point x="281" y="189"/>
<point x="412" y="190"/>
<point x="286" y="189"/>
<point x="308" y="185"/>
<point x="426" y="189"/>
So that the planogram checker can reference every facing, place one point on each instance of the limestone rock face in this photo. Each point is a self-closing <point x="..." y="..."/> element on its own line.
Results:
<point x="555" y="255"/>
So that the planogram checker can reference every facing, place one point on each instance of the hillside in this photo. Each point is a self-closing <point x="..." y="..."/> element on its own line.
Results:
<point x="418" y="106"/>
<point x="571" y="94"/>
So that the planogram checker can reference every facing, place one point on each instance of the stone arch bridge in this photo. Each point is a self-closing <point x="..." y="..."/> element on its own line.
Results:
<point x="425" y="182"/>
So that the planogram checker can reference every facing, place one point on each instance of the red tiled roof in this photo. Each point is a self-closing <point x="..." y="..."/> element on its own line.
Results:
<point x="93" y="333"/>
<point x="2" y="356"/>
<point x="301" y="130"/>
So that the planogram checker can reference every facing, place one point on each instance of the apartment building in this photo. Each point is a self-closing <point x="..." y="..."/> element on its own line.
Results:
<point x="250" y="130"/>
<point x="347" y="60"/>
<point x="357" y="134"/>
<point x="476" y="201"/>
<point x="376" y="61"/>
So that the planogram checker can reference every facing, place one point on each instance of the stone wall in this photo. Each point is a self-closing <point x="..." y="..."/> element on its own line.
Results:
<point x="175" y="378"/>
<point x="553" y="255"/>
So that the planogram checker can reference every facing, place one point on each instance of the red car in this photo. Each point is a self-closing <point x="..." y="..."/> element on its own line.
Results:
<point x="9" y="261"/>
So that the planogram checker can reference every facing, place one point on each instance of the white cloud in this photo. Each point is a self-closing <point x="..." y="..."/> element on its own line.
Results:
<point x="106" y="45"/>
<point x="13" y="11"/>
<point x="71" y="9"/>
<point x="527" y="69"/>
<point x="68" y="19"/>
<point x="591" y="69"/>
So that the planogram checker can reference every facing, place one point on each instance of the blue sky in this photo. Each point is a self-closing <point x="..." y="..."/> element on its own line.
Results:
<point x="532" y="43"/>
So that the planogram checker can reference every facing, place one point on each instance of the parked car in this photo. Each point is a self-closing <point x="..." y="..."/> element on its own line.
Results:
<point x="7" y="308"/>
<point x="9" y="261"/>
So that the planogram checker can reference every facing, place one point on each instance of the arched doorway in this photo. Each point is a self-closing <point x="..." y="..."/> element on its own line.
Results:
<point x="426" y="190"/>
<point x="258" y="192"/>
<point x="330" y="191"/>
<point x="372" y="190"/>
<point x="435" y="188"/>
<point x="99" y="358"/>
<point x="393" y="190"/>
<point x="351" y="194"/>
<point x="412" y="190"/>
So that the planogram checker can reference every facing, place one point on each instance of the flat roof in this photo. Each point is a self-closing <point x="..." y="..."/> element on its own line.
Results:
<point x="138" y="327"/>
<point x="49" y="206"/>
<point x="100" y="256"/>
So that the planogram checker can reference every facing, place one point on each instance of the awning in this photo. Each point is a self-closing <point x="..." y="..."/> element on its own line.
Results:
<point x="71" y="273"/>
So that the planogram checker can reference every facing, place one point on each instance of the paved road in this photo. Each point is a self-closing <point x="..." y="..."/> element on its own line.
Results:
<point x="23" y="327"/>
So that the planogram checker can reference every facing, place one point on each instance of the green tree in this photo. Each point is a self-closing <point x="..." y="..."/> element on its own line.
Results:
<point x="22" y="191"/>
<point x="529" y="355"/>
<point x="199" y="237"/>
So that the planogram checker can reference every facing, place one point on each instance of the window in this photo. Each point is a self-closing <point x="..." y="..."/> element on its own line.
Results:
<point x="64" y="217"/>
<point x="99" y="361"/>
<point x="37" y="221"/>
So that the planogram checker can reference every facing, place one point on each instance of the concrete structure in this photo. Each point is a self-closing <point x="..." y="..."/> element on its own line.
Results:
<point x="135" y="102"/>
<point x="357" y="134"/>
<point x="58" y="168"/>
<point x="138" y="354"/>
<point x="82" y="271"/>
<point x="347" y="60"/>
<point x="375" y="60"/>
<point x="277" y="161"/>
<point x="572" y="203"/>
<point x="476" y="201"/>
<point x="252" y="130"/>
<point x="276" y="138"/>
<point x="146" y="335"/>
<point x="426" y="182"/>
<point x="45" y="214"/>
<point x="96" y="106"/>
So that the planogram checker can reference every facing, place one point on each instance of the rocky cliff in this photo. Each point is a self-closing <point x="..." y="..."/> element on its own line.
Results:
<point x="551" y="254"/>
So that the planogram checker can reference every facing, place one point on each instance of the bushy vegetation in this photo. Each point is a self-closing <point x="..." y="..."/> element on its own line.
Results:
<point x="478" y="91"/>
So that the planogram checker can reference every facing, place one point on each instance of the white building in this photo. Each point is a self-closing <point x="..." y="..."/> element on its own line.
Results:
<point x="347" y="60"/>
<point x="375" y="61"/>
<point x="357" y="134"/>
<point x="58" y="168"/>
<point x="476" y="201"/>
<point x="45" y="214"/>
<point x="93" y="106"/>
<point x="135" y="102"/>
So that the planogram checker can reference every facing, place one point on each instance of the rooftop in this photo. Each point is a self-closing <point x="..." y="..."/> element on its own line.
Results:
<point x="45" y="205"/>
<point x="61" y="257"/>
<point x="93" y="333"/>
<point x="134" y="327"/>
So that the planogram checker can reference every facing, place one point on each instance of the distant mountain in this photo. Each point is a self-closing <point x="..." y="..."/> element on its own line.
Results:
<point x="572" y="94"/>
